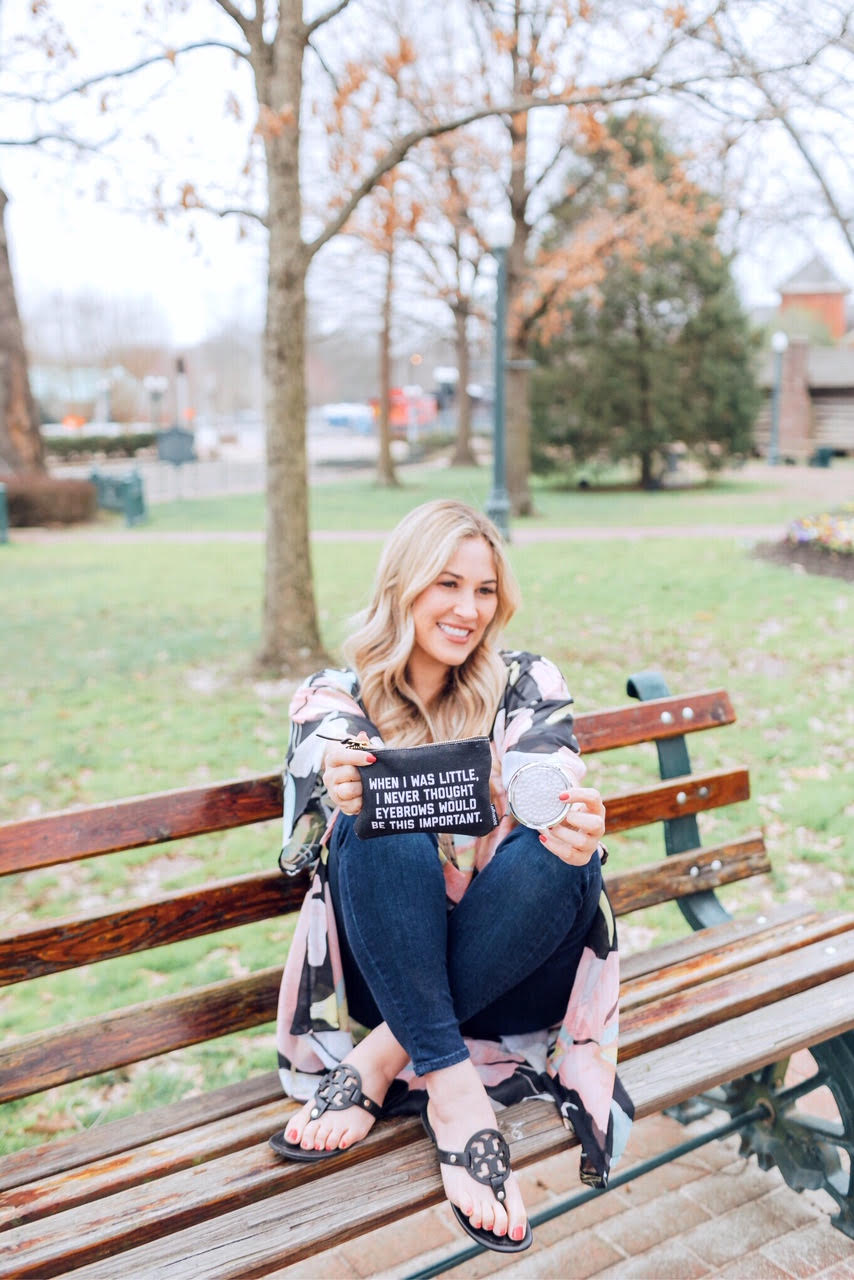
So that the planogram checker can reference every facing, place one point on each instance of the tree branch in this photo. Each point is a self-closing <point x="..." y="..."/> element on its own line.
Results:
<point x="249" y="26"/>
<point x="320" y="58"/>
<point x="38" y="138"/>
<point x="240" y="213"/>
<point x="549" y="168"/>
<point x="756" y="76"/>
<point x="399" y="150"/>
<point x="812" y="164"/>
<point x="310" y="27"/>
<point x="168" y="55"/>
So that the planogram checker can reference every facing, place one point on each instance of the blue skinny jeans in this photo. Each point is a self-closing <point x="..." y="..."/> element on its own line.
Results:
<point x="501" y="962"/>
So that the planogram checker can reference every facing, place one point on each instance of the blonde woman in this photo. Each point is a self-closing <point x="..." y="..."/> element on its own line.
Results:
<point x="445" y="973"/>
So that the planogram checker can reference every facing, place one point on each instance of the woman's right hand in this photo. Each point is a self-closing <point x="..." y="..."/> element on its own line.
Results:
<point x="341" y="774"/>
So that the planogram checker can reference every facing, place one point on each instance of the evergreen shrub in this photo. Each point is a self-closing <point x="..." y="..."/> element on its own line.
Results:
<point x="124" y="446"/>
<point x="38" y="500"/>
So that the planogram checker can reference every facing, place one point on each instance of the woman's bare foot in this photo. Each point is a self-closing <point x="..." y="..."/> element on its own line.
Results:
<point x="377" y="1058"/>
<point x="459" y="1106"/>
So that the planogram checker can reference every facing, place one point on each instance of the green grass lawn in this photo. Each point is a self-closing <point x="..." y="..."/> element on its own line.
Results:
<point x="128" y="669"/>
<point x="357" y="503"/>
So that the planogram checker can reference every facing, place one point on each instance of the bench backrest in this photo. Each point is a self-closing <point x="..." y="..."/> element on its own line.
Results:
<point x="118" y="1038"/>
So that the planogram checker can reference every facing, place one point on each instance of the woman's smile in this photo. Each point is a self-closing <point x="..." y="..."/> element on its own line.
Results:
<point x="454" y="632"/>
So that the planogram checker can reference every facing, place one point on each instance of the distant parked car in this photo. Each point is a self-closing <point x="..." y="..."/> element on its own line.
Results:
<point x="350" y="417"/>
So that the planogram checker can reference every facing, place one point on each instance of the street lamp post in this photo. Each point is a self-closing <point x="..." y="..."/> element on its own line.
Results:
<point x="498" y="503"/>
<point x="779" y="343"/>
<point x="155" y="384"/>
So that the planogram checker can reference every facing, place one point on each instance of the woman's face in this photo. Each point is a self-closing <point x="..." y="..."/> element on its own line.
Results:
<point x="452" y="614"/>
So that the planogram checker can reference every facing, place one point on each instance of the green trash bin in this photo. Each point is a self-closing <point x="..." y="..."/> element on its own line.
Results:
<point x="4" y="515"/>
<point x="822" y="457"/>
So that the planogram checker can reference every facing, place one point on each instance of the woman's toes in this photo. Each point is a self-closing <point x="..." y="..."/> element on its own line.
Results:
<point x="333" y="1137"/>
<point x="517" y="1225"/>
<point x="321" y="1136"/>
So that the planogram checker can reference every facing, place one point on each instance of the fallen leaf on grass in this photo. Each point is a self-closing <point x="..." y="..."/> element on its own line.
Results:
<point x="50" y="1124"/>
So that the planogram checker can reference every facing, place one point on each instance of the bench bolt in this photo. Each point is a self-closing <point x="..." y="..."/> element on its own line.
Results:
<point x="687" y="713"/>
<point x="666" y="717"/>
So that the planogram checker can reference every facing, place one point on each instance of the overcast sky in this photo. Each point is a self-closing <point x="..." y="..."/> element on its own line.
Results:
<point x="63" y="239"/>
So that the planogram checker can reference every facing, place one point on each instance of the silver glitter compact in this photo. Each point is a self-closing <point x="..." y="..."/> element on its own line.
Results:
<point x="533" y="793"/>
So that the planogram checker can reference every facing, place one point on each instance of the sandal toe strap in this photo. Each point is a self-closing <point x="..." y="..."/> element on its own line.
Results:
<point x="486" y="1158"/>
<point x="340" y="1089"/>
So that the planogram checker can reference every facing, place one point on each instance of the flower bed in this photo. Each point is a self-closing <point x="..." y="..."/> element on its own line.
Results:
<point x="832" y="530"/>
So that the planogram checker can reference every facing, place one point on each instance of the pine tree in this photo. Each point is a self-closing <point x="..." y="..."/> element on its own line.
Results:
<point x="660" y="351"/>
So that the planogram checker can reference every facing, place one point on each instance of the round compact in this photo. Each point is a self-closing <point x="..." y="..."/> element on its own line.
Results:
<point x="533" y="793"/>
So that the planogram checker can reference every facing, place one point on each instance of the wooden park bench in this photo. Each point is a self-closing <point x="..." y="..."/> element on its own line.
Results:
<point x="192" y="1190"/>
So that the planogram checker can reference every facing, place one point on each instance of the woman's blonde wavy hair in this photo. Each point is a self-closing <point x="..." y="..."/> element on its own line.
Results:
<point x="416" y="553"/>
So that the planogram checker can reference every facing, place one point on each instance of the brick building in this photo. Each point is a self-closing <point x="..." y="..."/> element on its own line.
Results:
<point x="816" y="408"/>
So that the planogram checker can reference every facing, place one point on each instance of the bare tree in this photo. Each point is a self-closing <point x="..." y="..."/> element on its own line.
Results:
<point x="576" y="55"/>
<point x="457" y="185"/>
<point x="21" y="445"/>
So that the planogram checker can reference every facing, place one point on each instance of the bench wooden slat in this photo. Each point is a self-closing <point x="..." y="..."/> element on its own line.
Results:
<point x="189" y="811"/>
<point x="173" y="815"/>
<point x="117" y="1137"/>
<point x="142" y="820"/>
<point x="120" y="1167"/>
<point x="147" y="1209"/>
<point x="676" y="798"/>
<point x="285" y="1228"/>
<point x="634" y="964"/>
<point x="191" y="913"/>
<point x="39" y="1199"/>
<point x="120" y="1136"/>
<point x="707" y="1004"/>
<point x="142" y="1031"/>
<point x="100" y="1044"/>
<point x="652" y="721"/>
<point x="730" y="957"/>
<point x="686" y="873"/>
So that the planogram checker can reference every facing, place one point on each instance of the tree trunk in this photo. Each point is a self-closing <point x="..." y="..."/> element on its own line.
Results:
<point x="21" y="444"/>
<point x="517" y="393"/>
<point x="386" y="474"/>
<point x="648" y="478"/>
<point x="517" y="401"/>
<point x="463" y="452"/>
<point x="291" y="637"/>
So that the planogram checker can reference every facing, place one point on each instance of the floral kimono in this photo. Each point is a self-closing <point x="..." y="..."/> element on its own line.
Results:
<point x="574" y="1064"/>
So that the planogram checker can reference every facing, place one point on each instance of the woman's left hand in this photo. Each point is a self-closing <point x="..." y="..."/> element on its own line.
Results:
<point x="576" y="838"/>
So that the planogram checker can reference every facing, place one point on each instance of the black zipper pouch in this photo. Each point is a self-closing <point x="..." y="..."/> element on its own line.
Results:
<point x="443" y="786"/>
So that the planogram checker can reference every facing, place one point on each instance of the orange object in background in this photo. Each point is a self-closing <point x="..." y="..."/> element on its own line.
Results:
<point x="408" y="407"/>
<point x="74" y="420"/>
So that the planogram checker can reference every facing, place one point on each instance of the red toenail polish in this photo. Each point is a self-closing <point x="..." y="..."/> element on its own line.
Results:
<point x="518" y="1233"/>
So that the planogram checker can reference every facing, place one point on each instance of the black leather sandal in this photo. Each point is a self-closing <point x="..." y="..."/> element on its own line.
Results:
<point x="486" y="1158"/>
<point x="339" y="1089"/>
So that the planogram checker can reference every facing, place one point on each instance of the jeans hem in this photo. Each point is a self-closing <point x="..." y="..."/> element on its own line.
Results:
<point x="439" y="1064"/>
